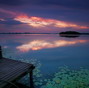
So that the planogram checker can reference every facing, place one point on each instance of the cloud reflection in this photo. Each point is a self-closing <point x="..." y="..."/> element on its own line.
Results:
<point x="43" y="44"/>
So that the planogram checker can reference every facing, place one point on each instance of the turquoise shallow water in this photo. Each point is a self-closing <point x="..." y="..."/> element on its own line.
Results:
<point x="48" y="53"/>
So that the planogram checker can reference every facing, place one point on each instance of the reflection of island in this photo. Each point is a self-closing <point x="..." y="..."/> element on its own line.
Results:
<point x="70" y="34"/>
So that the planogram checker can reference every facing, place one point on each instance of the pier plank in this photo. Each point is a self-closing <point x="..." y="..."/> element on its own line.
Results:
<point x="13" y="70"/>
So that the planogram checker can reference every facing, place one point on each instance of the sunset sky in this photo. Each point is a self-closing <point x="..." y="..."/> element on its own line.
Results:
<point x="44" y="16"/>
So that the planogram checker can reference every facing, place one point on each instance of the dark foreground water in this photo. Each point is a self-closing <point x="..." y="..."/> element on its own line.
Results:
<point x="60" y="62"/>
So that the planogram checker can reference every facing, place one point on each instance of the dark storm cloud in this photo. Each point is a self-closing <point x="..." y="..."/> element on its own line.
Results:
<point x="82" y="4"/>
<point x="10" y="2"/>
<point x="10" y="22"/>
<point x="67" y="3"/>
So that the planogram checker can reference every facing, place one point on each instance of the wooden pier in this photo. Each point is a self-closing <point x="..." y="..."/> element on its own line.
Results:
<point x="12" y="70"/>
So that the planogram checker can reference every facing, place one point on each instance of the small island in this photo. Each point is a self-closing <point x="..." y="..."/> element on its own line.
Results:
<point x="70" y="34"/>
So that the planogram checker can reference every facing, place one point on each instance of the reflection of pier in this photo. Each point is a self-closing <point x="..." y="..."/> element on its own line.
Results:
<point x="11" y="71"/>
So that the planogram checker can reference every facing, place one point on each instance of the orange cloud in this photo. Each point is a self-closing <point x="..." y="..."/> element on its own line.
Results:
<point x="41" y="22"/>
<point x="42" y="44"/>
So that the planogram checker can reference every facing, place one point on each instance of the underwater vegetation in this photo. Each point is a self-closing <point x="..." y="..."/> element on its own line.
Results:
<point x="63" y="78"/>
<point x="67" y="78"/>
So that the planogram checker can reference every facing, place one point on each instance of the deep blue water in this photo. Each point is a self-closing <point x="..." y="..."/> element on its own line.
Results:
<point x="51" y="51"/>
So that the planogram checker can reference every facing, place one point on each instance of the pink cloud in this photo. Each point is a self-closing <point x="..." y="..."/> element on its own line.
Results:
<point x="38" y="22"/>
<point x="7" y="11"/>
<point x="1" y="19"/>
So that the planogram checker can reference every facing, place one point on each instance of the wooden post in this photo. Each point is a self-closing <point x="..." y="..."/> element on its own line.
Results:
<point x="31" y="78"/>
<point x="0" y="52"/>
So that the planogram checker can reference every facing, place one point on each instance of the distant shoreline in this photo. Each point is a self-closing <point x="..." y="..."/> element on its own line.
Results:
<point x="41" y="33"/>
<point x="29" y="33"/>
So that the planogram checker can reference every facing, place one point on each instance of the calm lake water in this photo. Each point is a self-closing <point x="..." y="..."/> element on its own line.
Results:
<point x="48" y="52"/>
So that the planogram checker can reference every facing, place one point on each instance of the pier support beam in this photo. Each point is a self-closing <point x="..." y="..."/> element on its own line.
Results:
<point x="0" y="52"/>
<point x="31" y="78"/>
